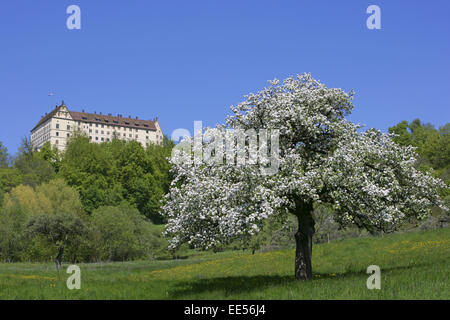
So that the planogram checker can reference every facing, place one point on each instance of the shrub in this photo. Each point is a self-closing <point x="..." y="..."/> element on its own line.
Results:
<point x="122" y="233"/>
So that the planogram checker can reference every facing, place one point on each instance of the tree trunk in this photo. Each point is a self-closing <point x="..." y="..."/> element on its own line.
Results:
<point x="59" y="257"/>
<point x="303" y="239"/>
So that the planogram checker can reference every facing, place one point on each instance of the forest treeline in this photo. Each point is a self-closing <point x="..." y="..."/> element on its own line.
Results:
<point x="100" y="202"/>
<point x="94" y="202"/>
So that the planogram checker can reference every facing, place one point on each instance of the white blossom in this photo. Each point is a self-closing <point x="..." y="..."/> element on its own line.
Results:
<point x="370" y="180"/>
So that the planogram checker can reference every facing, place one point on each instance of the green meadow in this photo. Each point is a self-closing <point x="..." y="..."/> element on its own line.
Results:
<point x="413" y="266"/>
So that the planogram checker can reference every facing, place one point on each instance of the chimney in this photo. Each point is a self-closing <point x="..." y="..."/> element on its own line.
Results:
<point x="109" y="114"/>
<point x="82" y="110"/>
<point x="137" y="117"/>
<point x="100" y="112"/>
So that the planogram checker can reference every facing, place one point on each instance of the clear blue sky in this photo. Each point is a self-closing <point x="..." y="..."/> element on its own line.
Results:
<point x="190" y="60"/>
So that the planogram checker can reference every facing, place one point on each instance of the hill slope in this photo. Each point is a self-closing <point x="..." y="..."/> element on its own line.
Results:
<point x="413" y="266"/>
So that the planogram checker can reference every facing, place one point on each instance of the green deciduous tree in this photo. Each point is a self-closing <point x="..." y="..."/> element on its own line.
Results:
<point x="51" y="155"/>
<point x="122" y="233"/>
<point x="109" y="173"/>
<point x="23" y="204"/>
<point x="90" y="169"/>
<point x="12" y="234"/>
<point x="49" y="198"/>
<point x="33" y="168"/>
<point x="61" y="230"/>
<point x="3" y="156"/>
<point x="433" y="146"/>
<point x="9" y="178"/>
<point x="62" y="198"/>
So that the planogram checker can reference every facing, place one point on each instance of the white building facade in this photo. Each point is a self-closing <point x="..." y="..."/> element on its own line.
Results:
<point x="60" y="124"/>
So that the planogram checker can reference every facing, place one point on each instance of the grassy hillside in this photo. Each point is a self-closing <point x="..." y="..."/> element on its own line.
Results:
<point x="413" y="266"/>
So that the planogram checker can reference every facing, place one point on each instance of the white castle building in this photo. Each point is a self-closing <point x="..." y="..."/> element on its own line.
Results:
<point x="62" y="123"/>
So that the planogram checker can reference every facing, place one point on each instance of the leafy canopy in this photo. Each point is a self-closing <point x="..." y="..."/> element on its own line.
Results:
<point x="111" y="173"/>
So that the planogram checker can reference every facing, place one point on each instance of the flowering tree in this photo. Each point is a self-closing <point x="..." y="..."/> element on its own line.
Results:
<point x="322" y="158"/>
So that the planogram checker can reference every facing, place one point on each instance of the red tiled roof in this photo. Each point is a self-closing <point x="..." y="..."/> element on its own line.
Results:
<point x="103" y="119"/>
<point x="113" y="120"/>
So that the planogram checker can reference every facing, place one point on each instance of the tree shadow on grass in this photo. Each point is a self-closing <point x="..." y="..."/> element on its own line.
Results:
<point x="228" y="285"/>
<point x="240" y="284"/>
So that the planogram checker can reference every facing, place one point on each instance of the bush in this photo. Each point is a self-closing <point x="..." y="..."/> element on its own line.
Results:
<point x="122" y="233"/>
<point x="12" y="231"/>
<point x="63" y="232"/>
